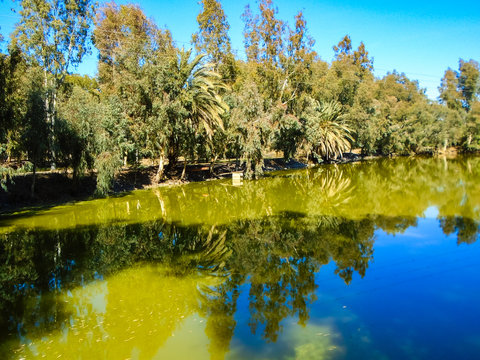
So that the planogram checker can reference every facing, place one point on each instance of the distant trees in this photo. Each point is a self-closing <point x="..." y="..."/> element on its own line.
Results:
<point x="460" y="90"/>
<point x="154" y="100"/>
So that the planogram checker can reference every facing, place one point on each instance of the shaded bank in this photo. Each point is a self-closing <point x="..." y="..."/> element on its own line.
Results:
<point x="54" y="188"/>
<point x="60" y="187"/>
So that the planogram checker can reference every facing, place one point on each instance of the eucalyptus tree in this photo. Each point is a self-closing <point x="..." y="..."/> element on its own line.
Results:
<point x="460" y="91"/>
<point x="8" y="83"/>
<point x="213" y="40"/>
<point x="264" y="45"/>
<point x="297" y="83"/>
<point x="34" y="128"/>
<point x="402" y="108"/>
<point x="129" y="44"/>
<point x="11" y="66"/>
<point x="252" y="126"/>
<point x="469" y="82"/>
<point x="23" y="129"/>
<point x="126" y="40"/>
<point x="79" y="117"/>
<point x="297" y="63"/>
<point x="112" y="141"/>
<point x="448" y="89"/>
<point x="133" y="55"/>
<point x="348" y="69"/>
<point x="54" y="34"/>
<point x="472" y="141"/>
<point x="469" y="86"/>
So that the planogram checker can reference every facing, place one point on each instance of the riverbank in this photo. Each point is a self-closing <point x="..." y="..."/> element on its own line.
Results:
<point x="56" y="188"/>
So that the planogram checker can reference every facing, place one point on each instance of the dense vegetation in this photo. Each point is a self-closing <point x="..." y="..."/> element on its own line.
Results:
<point x="152" y="99"/>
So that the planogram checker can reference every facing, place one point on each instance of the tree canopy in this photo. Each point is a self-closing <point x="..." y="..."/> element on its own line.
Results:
<point x="153" y="100"/>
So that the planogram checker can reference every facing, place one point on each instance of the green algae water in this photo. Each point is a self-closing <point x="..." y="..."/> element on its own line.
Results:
<point x="371" y="260"/>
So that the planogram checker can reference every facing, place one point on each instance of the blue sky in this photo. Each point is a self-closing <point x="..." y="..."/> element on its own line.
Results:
<point x="420" y="38"/>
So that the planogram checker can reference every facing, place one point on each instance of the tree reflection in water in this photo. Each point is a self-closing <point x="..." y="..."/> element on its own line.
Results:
<point x="45" y="274"/>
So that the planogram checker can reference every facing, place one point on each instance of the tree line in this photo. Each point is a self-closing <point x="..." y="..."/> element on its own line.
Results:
<point x="153" y="99"/>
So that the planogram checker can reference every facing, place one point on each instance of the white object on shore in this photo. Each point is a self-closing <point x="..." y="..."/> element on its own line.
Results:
<point x="237" y="178"/>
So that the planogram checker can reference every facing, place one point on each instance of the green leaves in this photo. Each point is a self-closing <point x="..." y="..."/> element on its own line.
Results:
<point x="326" y="135"/>
<point x="212" y="36"/>
<point x="55" y="33"/>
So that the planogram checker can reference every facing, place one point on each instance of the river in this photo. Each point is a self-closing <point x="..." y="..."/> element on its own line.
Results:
<point x="372" y="260"/>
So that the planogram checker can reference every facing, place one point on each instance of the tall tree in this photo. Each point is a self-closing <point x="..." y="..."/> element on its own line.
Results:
<point x="264" y="44"/>
<point x="132" y="49"/>
<point x="349" y="69"/>
<point x="125" y="39"/>
<point x="449" y="93"/>
<point x="461" y="88"/>
<point x="343" y="49"/>
<point x="252" y="126"/>
<point x="469" y="82"/>
<point x="54" y="34"/>
<point x="359" y="57"/>
<point x="297" y="62"/>
<point x="34" y="127"/>
<point x="251" y="35"/>
<point x="212" y="36"/>
<point x="272" y="31"/>
<point x="10" y="66"/>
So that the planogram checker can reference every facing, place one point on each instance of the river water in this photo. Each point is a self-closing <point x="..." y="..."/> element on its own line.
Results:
<point x="371" y="260"/>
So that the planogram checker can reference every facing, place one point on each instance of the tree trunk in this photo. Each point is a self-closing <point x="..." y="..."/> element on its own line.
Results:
<point x="212" y="164"/>
<point x="32" y="189"/>
<point x="172" y="157"/>
<point x="184" y="171"/>
<point x="53" y="166"/>
<point x="161" y="164"/>
<point x="248" y="168"/>
<point x="49" y="119"/>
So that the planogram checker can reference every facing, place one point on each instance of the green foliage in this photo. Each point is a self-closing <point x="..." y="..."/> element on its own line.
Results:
<point x="469" y="82"/>
<point x="107" y="165"/>
<point x="54" y="35"/>
<point x="35" y="130"/>
<point x="252" y="127"/>
<point x="326" y="135"/>
<point x="77" y="129"/>
<point x="191" y="104"/>
<point x="153" y="100"/>
<point x="212" y="39"/>
<point x="212" y="36"/>
<point x="288" y="134"/>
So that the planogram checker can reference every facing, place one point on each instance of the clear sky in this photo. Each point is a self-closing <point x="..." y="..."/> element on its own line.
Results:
<point x="420" y="38"/>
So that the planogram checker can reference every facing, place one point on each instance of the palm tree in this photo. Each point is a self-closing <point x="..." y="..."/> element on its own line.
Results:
<point x="192" y="103"/>
<point x="200" y="93"/>
<point x="326" y="135"/>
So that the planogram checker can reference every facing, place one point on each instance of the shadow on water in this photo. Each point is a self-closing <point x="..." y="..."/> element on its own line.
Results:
<point x="277" y="256"/>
